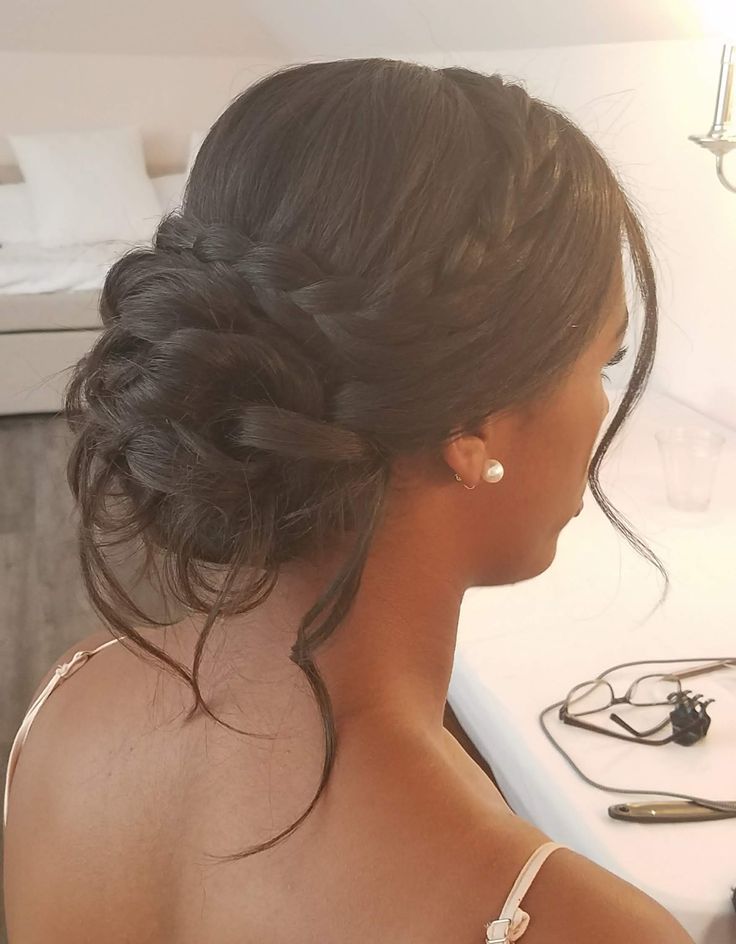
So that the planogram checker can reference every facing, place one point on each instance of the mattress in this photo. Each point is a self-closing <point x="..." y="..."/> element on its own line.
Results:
<point x="27" y="267"/>
<point x="49" y="311"/>
<point x="35" y="368"/>
<point x="42" y="335"/>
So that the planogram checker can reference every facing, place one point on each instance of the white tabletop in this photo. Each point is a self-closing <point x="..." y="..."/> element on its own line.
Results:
<point x="522" y="647"/>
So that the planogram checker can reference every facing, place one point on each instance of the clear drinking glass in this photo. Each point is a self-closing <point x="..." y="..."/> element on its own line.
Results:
<point x="690" y="457"/>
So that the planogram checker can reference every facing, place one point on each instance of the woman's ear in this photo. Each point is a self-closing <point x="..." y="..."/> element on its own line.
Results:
<point x="465" y="455"/>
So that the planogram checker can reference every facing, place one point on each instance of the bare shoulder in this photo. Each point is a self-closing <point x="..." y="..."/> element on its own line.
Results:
<point x="476" y="854"/>
<point x="87" y="643"/>
<point x="571" y="898"/>
<point x="574" y="899"/>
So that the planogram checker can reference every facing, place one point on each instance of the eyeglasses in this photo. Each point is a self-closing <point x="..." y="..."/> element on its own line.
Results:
<point x="647" y="691"/>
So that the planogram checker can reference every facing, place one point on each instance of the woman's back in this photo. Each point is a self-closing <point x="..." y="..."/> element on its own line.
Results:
<point x="114" y="806"/>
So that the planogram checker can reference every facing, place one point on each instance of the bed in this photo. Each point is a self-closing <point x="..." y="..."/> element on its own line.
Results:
<point x="49" y="310"/>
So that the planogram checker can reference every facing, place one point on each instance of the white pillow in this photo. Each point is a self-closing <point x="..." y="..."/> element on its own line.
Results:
<point x="16" y="215"/>
<point x="195" y="143"/>
<point x="88" y="186"/>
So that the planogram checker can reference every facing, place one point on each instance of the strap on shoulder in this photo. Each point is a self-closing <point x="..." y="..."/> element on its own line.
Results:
<point x="61" y="671"/>
<point x="513" y="920"/>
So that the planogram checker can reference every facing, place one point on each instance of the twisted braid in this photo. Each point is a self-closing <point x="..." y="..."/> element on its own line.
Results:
<point x="321" y="350"/>
<point x="358" y="332"/>
<point x="238" y="310"/>
<point x="274" y="280"/>
<point x="311" y="305"/>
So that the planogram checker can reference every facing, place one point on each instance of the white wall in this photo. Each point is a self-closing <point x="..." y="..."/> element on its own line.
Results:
<point x="638" y="101"/>
<point x="168" y="96"/>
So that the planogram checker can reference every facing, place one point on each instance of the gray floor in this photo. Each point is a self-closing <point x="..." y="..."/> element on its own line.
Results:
<point x="42" y="604"/>
<point x="44" y="609"/>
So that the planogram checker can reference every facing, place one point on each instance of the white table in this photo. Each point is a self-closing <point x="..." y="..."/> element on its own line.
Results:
<point x="522" y="647"/>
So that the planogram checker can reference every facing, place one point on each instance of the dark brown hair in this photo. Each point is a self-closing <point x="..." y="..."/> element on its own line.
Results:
<point x="371" y="257"/>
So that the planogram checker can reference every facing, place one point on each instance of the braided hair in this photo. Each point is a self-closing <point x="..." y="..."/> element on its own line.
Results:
<point x="371" y="257"/>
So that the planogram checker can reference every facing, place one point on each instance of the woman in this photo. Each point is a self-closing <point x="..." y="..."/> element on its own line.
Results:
<point x="359" y="372"/>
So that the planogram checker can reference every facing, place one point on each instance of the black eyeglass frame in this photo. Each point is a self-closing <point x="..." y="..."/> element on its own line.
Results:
<point x="637" y="738"/>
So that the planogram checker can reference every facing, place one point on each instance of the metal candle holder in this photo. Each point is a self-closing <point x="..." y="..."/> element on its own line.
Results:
<point x="722" y="136"/>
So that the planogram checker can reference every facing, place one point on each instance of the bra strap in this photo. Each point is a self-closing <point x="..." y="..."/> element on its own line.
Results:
<point x="513" y="920"/>
<point x="61" y="671"/>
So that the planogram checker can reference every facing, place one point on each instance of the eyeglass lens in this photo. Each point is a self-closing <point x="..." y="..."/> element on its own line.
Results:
<point x="597" y="694"/>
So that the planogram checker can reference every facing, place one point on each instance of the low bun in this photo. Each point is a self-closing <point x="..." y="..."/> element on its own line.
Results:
<point x="216" y="416"/>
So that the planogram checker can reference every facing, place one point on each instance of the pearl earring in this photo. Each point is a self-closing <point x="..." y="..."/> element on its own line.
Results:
<point x="492" y="473"/>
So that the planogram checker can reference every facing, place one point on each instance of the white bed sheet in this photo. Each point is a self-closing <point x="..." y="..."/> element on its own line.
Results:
<point x="26" y="268"/>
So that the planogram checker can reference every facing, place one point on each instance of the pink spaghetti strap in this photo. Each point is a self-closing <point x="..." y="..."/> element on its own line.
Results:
<point x="513" y="920"/>
<point x="62" y="671"/>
